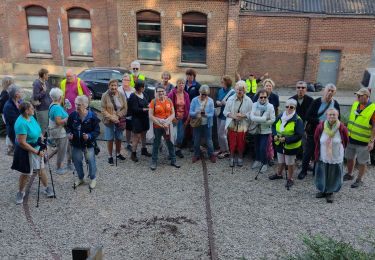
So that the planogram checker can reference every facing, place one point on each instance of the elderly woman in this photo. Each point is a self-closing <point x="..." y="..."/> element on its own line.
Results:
<point x="237" y="112"/>
<point x="126" y="91"/>
<point x="287" y="134"/>
<point x="222" y="97"/>
<point x="273" y="99"/>
<point x="331" y="138"/>
<point x="165" y="78"/>
<point x="262" y="117"/>
<point x="202" y="113"/>
<point x="83" y="129"/>
<point x="192" y="85"/>
<point x="114" y="108"/>
<point x="28" y="132"/>
<point x="11" y="110"/>
<point x="181" y="104"/>
<point x="57" y="120"/>
<point x="138" y="105"/>
<point x="4" y="96"/>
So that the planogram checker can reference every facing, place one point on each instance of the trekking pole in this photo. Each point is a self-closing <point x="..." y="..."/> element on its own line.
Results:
<point x="37" y="200"/>
<point x="256" y="177"/>
<point x="50" y="171"/>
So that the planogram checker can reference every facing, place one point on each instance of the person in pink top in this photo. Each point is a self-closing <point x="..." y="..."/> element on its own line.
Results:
<point x="72" y="87"/>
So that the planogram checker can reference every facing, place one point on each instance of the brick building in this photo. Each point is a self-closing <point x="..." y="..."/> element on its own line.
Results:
<point x="291" y="41"/>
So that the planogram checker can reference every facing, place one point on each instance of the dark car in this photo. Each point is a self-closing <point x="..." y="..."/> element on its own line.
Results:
<point x="97" y="80"/>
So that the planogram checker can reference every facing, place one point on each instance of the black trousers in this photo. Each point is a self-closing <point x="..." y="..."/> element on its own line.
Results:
<point x="308" y="152"/>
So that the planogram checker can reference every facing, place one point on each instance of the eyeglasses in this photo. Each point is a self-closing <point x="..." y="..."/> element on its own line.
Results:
<point x="135" y="68"/>
<point x="289" y="107"/>
<point x="160" y="91"/>
<point x="358" y="96"/>
<point x="77" y="104"/>
<point x="203" y="94"/>
<point x="262" y="97"/>
<point x="126" y="80"/>
<point x="300" y="87"/>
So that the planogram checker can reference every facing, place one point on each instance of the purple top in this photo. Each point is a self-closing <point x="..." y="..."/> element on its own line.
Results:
<point x="41" y="95"/>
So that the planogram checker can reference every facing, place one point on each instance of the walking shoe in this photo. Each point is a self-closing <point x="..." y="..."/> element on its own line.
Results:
<point x="223" y="155"/>
<point x="329" y="197"/>
<point x="302" y="175"/>
<point x="256" y="164"/>
<point x="289" y="183"/>
<point x="179" y="154"/>
<point x="357" y="184"/>
<point x="348" y="177"/>
<point x="70" y="167"/>
<point x="153" y="166"/>
<point x="239" y="162"/>
<point x="213" y="158"/>
<point x="129" y="147"/>
<point x="175" y="164"/>
<point x="121" y="157"/>
<point x="264" y="168"/>
<point x="78" y="182"/>
<point x="110" y="161"/>
<point x="61" y="171"/>
<point x="275" y="177"/>
<point x="19" y="197"/>
<point x="145" y="152"/>
<point x="231" y="162"/>
<point x="319" y="195"/>
<point x="310" y="168"/>
<point x="92" y="184"/>
<point x="194" y="159"/>
<point x="49" y="192"/>
<point x="133" y="157"/>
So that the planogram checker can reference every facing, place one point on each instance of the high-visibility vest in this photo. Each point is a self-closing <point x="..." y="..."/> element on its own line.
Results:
<point x="132" y="82"/>
<point x="63" y="88"/>
<point x="251" y="86"/>
<point x="288" y="131"/>
<point x="359" y="127"/>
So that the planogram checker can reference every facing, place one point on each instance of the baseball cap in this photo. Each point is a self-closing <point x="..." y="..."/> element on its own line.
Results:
<point x="363" y="91"/>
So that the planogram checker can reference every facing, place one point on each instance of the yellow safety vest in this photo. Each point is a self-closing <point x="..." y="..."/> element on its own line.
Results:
<point x="132" y="82"/>
<point x="63" y="88"/>
<point x="359" y="127"/>
<point x="288" y="131"/>
<point x="251" y="86"/>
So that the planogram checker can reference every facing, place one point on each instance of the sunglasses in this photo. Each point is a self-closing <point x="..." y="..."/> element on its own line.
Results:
<point x="262" y="97"/>
<point x="291" y="107"/>
<point x="358" y="96"/>
<point x="300" y="87"/>
<point x="135" y="69"/>
<point x="203" y="94"/>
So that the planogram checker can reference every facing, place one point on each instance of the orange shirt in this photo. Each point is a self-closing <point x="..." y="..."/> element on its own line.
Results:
<point x="163" y="109"/>
<point x="361" y="107"/>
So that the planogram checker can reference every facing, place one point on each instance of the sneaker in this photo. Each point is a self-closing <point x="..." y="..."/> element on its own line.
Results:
<point x="92" y="184"/>
<point x="179" y="154"/>
<point x="231" y="162"/>
<point x="49" y="192"/>
<point x="320" y="195"/>
<point x="194" y="159"/>
<point x="223" y="155"/>
<point x="213" y="158"/>
<point x="275" y="177"/>
<point x="19" y="197"/>
<point x="264" y="168"/>
<point x="120" y="157"/>
<point x="329" y="198"/>
<point x="302" y="175"/>
<point x="78" y="182"/>
<point x="239" y="162"/>
<point x="153" y="166"/>
<point x="61" y="171"/>
<point x="356" y="184"/>
<point x="289" y="183"/>
<point x="110" y="161"/>
<point x="129" y="147"/>
<point x="348" y="177"/>
<point x="145" y="152"/>
<point x="256" y="164"/>
<point x="175" y="164"/>
<point x="70" y="167"/>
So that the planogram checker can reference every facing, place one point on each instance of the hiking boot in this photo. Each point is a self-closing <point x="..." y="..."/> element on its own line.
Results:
<point x="145" y="152"/>
<point x="194" y="159"/>
<point x="92" y="184"/>
<point x="78" y="182"/>
<point x="213" y="158"/>
<point x="129" y="147"/>
<point x="289" y="183"/>
<point x="256" y="164"/>
<point x="179" y="154"/>
<point x="302" y="175"/>
<point x="348" y="177"/>
<point x="319" y="195"/>
<point x="329" y="197"/>
<point x="153" y="166"/>
<point x="231" y="162"/>
<point x="175" y="164"/>
<point x="239" y="162"/>
<point x="264" y="168"/>
<point x="133" y="157"/>
<point x="356" y="184"/>
<point x="110" y="161"/>
<point x="49" y="192"/>
<point x="275" y="177"/>
<point x="19" y="197"/>
<point x="121" y="157"/>
<point x="61" y="171"/>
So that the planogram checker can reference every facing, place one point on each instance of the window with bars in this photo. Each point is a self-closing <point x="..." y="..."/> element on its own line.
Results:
<point x="38" y="31"/>
<point x="80" y="37"/>
<point x="148" y="35"/>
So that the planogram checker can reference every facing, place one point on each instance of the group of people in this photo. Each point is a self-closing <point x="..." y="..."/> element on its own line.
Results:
<point x="182" y="113"/>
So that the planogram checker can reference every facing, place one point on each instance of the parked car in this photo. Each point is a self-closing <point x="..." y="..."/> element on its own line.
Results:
<point x="97" y="80"/>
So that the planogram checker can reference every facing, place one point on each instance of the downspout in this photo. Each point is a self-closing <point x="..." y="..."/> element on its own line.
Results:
<point x="226" y="41"/>
<point x="307" y="47"/>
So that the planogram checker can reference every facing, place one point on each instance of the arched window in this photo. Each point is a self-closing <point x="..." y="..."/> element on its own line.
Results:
<point x="194" y="37"/>
<point x="80" y="32"/>
<point x="37" y="26"/>
<point x="148" y="35"/>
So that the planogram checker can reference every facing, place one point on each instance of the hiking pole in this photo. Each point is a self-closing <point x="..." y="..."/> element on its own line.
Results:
<point x="37" y="200"/>
<point x="49" y="168"/>
<point x="256" y="177"/>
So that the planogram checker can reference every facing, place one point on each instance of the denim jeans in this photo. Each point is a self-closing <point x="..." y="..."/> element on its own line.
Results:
<point x="180" y="132"/>
<point x="77" y="156"/>
<point x="158" y="133"/>
<point x="261" y="148"/>
<point x="205" y="132"/>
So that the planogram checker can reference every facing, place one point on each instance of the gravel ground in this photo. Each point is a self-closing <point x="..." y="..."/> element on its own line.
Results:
<point x="135" y="213"/>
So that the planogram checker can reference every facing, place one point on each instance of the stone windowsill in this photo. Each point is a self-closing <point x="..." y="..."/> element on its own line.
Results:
<point x="80" y="58"/>
<point x="150" y="62"/>
<point x="193" y="65"/>
<point x="39" y="56"/>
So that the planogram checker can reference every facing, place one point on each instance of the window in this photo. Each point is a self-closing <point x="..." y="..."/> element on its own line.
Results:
<point x="149" y="37"/>
<point x="194" y="38"/>
<point x="79" y="32"/>
<point x="103" y="75"/>
<point x="37" y="26"/>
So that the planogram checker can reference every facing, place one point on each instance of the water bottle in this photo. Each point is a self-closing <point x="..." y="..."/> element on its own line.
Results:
<point x="68" y="105"/>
